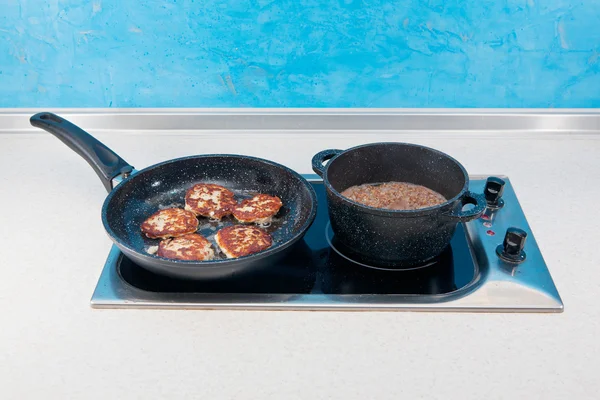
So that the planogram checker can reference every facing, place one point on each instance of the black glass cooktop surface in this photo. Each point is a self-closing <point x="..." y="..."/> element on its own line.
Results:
<point x="315" y="267"/>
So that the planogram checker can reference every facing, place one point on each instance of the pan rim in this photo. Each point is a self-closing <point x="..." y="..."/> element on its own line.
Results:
<point x="221" y="263"/>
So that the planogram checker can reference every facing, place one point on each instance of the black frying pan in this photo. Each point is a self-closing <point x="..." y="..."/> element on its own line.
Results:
<point x="142" y="193"/>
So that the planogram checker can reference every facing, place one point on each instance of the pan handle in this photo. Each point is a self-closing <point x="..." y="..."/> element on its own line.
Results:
<point x="469" y="198"/>
<point x="319" y="158"/>
<point x="105" y="162"/>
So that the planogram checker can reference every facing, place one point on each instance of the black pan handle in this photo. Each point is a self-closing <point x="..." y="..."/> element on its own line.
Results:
<point x="469" y="198"/>
<point x="321" y="157"/>
<point x="105" y="162"/>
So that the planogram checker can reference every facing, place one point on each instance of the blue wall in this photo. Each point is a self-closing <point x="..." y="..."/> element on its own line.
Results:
<point x="300" y="53"/>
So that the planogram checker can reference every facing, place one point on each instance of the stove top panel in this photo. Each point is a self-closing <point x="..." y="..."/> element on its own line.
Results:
<point x="468" y="276"/>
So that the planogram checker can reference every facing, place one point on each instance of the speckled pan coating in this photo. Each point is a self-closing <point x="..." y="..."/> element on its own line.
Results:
<point x="401" y="237"/>
<point x="165" y="184"/>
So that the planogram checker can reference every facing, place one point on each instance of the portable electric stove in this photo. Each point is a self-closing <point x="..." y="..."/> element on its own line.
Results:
<point x="492" y="264"/>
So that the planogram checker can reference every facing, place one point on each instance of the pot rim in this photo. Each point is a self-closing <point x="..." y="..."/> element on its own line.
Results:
<point x="397" y="213"/>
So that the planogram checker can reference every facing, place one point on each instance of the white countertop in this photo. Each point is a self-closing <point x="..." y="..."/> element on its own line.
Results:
<point x="54" y="346"/>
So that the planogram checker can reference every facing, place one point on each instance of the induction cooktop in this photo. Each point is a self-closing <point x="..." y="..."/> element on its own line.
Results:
<point x="477" y="272"/>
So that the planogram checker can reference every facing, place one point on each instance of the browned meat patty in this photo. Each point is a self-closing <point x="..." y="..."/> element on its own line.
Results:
<point x="208" y="200"/>
<point x="259" y="209"/>
<point x="170" y="222"/>
<point x="394" y="195"/>
<point x="242" y="240"/>
<point x="192" y="247"/>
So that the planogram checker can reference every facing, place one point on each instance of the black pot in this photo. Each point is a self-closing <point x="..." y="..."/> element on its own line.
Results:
<point x="396" y="237"/>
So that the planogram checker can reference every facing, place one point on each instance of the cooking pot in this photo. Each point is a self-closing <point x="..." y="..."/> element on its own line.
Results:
<point x="398" y="238"/>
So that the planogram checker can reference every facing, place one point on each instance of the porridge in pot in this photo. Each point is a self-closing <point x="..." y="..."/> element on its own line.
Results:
<point x="394" y="195"/>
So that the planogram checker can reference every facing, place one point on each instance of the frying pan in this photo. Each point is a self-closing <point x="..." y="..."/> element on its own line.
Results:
<point x="141" y="193"/>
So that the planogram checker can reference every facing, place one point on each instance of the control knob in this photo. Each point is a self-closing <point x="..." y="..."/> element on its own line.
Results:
<point x="511" y="249"/>
<point x="494" y="187"/>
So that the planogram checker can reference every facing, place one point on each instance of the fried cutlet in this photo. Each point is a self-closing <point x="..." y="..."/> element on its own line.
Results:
<point x="259" y="209"/>
<point x="170" y="222"/>
<point x="192" y="247"/>
<point x="242" y="240"/>
<point x="208" y="200"/>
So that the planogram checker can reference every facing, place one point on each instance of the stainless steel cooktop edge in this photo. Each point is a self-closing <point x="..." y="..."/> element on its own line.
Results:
<point x="499" y="287"/>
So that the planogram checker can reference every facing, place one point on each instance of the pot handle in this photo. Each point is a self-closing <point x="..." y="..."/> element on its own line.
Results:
<point x="103" y="160"/>
<point x="321" y="157"/>
<point x="469" y="198"/>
